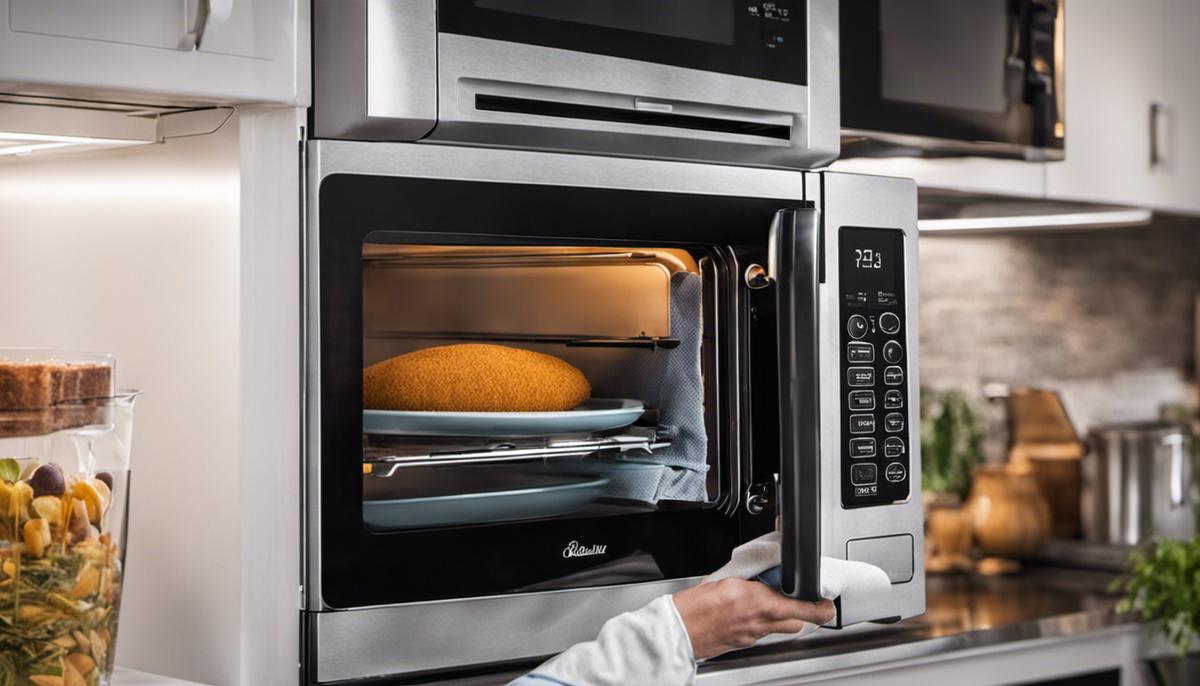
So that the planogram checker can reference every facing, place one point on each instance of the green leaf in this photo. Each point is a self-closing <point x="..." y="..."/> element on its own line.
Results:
<point x="10" y="470"/>
<point x="1163" y="586"/>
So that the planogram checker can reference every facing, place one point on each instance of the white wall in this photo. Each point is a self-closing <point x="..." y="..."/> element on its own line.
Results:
<point x="136" y="252"/>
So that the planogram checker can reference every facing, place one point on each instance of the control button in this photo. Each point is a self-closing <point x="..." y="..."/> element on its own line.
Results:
<point x="862" y="423"/>
<point x="894" y="422"/>
<point x="892" y="352"/>
<point x="895" y="472"/>
<point x="862" y="447"/>
<point x="863" y="400"/>
<point x="863" y="474"/>
<point x="856" y="326"/>
<point x="860" y="352"/>
<point x="893" y="400"/>
<point x="861" y="376"/>
<point x="892" y="376"/>
<point x="893" y="447"/>
<point x="889" y="322"/>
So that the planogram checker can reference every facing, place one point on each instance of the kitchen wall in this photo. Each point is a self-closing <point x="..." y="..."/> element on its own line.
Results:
<point x="1105" y="316"/>
<point x="136" y="252"/>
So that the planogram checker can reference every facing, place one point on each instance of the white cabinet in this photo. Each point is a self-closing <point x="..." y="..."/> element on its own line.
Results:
<point x="1179" y="137"/>
<point x="159" y="51"/>
<point x="1116" y="71"/>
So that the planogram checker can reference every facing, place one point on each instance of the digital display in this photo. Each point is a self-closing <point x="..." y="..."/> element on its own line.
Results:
<point x="711" y="21"/>
<point x="869" y="259"/>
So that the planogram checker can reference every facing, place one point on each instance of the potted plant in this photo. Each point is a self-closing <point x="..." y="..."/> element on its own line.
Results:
<point x="951" y="446"/>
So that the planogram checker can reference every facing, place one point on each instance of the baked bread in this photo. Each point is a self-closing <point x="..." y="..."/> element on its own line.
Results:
<point x="474" y="377"/>
<point x="37" y="385"/>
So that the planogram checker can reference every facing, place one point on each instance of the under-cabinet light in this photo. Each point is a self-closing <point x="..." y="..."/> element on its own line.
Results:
<point x="1098" y="218"/>
<point x="20" y="143"/>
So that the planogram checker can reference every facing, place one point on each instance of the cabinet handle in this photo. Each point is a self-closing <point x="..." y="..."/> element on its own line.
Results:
<point x="205" y="12"/>
<point x="1157" y="112"/>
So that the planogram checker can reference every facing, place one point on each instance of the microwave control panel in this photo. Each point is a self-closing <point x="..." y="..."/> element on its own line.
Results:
<point x="876" y="438"/>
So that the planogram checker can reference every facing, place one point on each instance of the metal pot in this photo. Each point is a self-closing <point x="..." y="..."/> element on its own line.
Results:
<point x="1139" y="480"/>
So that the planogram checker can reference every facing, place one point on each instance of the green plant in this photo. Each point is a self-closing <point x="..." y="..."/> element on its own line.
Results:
<point x="951" y="442"/>
<point x="1163" y="586"/>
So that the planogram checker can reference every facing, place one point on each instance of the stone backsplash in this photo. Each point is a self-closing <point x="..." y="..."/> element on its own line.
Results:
<point x="1107" y="317"/>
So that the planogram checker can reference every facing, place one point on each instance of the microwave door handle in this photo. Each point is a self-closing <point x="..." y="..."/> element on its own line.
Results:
<point x="795" y="261"/>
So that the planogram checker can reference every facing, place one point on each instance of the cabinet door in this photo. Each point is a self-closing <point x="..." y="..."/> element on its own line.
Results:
<point x="1115" y="56"/>
<point x="139" y="50"/>
<point x="1179" y="118"/>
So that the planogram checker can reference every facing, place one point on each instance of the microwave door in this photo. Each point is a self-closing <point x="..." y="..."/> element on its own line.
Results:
<point x="794" y="262"/>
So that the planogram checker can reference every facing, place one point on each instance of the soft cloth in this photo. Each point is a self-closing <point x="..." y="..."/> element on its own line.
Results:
<point x="647" y="646"/>
<point x="670" y="380"/>
<point x="847" y="579"/>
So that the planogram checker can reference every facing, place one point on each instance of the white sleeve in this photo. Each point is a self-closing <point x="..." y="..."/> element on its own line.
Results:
<point x="647" y="646"/>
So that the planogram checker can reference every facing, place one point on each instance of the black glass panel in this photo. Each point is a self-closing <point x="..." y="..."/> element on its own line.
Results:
<point x="762" y="40"/>
<point x="361" y="568"/>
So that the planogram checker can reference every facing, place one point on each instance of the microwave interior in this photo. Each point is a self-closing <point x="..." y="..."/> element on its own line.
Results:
<point x="638" y="323"/>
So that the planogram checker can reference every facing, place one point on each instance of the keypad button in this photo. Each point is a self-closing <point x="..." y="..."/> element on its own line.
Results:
<point x="894" y="422"/>
<point x="893" y="400"/>
<point x="862" y="447"/>
<point x="860" y="376"/>
<point x="895" y="472"/>
<point x="893" y="447"/>
<point x="889" y="322"/>
<point x="893" y="352"/>
<point x="863" y="474"/>
<point x="862" y="423"/>
<point x="892" y="376"/>
<point x="856" y="326"/>
<point x="863" y="400"/>
<point x="860" y="352"/>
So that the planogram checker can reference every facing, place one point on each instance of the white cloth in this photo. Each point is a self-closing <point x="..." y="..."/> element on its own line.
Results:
<point x="647" y="646"/>
<point x="857" y="582"/>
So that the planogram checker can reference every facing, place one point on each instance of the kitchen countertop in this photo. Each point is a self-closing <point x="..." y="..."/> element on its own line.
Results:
<point x="962" y="612"/>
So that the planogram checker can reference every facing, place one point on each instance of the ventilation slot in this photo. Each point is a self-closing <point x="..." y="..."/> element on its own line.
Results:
<point x="546" y="108"/>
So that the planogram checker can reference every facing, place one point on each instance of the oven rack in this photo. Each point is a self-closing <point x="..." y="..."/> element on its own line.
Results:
<point x="636" y="440"/>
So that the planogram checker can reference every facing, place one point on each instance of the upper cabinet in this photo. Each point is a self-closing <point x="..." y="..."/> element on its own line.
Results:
<point x="1178" y="128"/>
<point x="1116" y="83"/>
<point x="165" y="51"/>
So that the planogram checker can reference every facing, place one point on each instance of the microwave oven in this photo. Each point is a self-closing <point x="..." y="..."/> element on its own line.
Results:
<point x="946" y="77"/>
<point x="712" y="80"/>
<point x="755" y="328"/>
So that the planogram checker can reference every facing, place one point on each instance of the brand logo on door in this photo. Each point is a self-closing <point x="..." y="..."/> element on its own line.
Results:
<point x="574" y="549"/>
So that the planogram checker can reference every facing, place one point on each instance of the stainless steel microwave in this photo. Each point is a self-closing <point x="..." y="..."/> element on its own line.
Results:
<point x="953" y="77"/>
<point x="712" y="80"/>
<point x="755" y="329"/>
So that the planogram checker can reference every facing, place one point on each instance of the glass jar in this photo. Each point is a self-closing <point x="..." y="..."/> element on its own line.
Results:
<point x="64" y="491"/>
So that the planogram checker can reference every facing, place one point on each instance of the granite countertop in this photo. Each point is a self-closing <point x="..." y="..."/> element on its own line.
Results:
<point x="962" y="612"/>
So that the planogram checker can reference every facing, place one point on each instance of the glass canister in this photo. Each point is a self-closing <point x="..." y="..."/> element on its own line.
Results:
<point x="65" y="438"/>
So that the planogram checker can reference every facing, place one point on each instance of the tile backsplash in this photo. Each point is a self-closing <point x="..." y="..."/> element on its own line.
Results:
<point x="1106" y="317"/>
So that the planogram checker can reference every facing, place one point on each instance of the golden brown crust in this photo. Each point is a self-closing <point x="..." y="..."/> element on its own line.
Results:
<point x="35" y="385"/>
<point x="474" y="377"/>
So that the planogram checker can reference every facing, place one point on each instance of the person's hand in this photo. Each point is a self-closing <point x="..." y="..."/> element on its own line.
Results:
<point x="734" y="613"/>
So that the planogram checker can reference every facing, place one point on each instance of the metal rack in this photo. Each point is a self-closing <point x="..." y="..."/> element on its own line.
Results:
<point x="635" y="440"/>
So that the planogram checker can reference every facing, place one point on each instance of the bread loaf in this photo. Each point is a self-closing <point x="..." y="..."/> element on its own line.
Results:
<point x="36" y="385"/>
<point x="474" y="377"/>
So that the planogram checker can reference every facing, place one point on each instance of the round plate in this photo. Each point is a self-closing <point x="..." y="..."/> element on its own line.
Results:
<point x="597" y="414"/>
<point x="431" y="498"/>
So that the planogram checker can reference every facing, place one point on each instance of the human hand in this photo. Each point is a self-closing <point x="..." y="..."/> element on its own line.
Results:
<point x="734" y="613"/>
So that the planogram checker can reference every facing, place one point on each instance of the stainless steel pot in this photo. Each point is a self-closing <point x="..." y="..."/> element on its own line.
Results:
<point x="1139" y="480"/>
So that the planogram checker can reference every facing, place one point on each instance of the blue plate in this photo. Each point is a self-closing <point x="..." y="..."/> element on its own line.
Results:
<point x="597" y="414"/>
<point x="424" y="498"/>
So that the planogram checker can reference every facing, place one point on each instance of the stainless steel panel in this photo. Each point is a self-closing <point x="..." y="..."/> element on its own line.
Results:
<point x="374" y="68"/>
<point x="470" y="65"/>
<point x="882" y="202"/>
<point x="427" y="636"/>
<point x="892" y="554"/>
